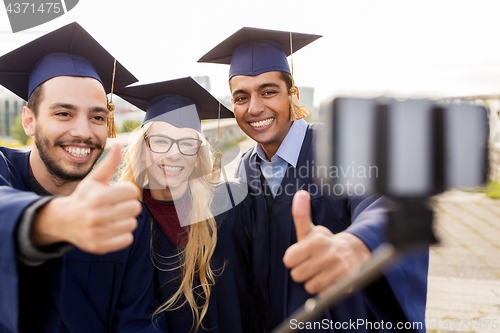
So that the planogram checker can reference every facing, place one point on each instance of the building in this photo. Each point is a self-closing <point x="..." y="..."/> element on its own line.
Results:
<point x="124" y="111"/>
<point x="203" y="81"/>
<point x="226" y="101"/>
<point x="10" y="107"/>
<point x="306" y="96"/>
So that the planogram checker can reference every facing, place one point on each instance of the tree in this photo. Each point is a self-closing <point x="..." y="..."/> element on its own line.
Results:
<point x="130" y="125"/>
<point x="17" y="130"/>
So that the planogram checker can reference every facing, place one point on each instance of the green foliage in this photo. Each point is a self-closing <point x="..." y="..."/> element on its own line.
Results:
<point x="493" y="190"/>
<point x="130" y="125"/>
<point x="10" y="143"/>
<point x="18" y="131"/>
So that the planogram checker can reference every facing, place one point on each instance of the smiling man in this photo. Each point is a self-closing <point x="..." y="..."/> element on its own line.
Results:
<point x="73" y="256"/>
<point x="262" y="108"/>
<point x="326" y="238"/>
<point x="70" y="131"/>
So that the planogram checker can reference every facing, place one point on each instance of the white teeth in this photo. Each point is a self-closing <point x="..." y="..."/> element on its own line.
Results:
<point x="169" y="168"/>
<point x="78" y="152"/>
<point x="262" y="123"/>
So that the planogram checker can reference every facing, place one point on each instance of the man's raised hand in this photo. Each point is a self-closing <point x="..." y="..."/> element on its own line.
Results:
<point x="320" y="258"/>
<point x="97" y="218"/>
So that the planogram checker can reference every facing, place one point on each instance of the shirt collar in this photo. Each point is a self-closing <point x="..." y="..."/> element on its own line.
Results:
<point x="289" y="149"/>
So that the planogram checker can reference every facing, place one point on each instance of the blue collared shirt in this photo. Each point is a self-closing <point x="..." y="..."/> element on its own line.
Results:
<point x="288" y="153"/>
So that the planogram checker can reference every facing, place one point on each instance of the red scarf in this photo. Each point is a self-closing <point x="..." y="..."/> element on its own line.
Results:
<point x="166" y="216"/>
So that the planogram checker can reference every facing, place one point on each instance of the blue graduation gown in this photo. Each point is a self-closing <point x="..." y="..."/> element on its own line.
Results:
<point x="79" y="292"/>
<point x="399" y="296"/>
<point x="231" y="307"/>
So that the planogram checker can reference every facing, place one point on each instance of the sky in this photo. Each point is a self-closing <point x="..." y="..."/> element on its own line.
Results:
<point x="402" y="48"/>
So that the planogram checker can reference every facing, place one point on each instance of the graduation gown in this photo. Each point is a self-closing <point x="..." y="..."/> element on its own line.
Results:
<point x="79" y="292"/>
<point x="399" y="296"/>
<point x="231" y="307"/>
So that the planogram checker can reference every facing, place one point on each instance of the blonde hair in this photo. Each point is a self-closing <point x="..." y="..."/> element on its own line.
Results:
<point x="194" y="259"/>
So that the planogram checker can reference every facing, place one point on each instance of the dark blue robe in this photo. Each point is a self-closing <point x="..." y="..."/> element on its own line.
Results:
<point x="79" y="292"/>
<point x="399" y="296"/>
<point x="231" y="307"/>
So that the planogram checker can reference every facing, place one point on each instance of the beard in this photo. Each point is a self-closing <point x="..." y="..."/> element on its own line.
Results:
<point x="54" y="166"/>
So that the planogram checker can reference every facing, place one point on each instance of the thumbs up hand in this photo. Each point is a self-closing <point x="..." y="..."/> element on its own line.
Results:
<point x="319" y="258"/>
<point x="96" y="218"/>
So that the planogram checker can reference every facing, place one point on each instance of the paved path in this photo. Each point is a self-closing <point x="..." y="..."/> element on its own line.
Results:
<point x="464" y="270"/>
<point x="234" y="155"/>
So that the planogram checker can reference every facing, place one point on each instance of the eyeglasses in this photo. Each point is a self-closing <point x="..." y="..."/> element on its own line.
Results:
<point x="161" y="144"/>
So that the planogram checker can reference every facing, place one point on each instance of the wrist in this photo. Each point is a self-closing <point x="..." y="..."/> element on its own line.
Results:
<point x="357" y="247"/>
<point x="46" y="229"/>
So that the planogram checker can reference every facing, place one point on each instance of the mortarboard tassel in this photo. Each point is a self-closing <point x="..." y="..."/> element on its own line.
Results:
<point x="216" y="169"/>
<point x="111" y="121"/>
<point x="296" y="110"/>
<point x="111" y="108"/>
<point x="217" y="166"/>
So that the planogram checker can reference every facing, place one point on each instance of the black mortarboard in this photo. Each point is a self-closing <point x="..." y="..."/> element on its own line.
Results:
<point x="67" y="51"/>
<point x="181" y="102"/>
<point x="253" y="51"/>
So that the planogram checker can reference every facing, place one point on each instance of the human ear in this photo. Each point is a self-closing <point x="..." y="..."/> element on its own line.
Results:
<point x="28" y="121"/>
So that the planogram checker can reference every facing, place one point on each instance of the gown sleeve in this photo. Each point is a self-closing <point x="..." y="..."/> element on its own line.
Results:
<point x="13" y="277"/>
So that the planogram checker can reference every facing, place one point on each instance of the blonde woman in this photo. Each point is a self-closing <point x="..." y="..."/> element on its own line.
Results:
<point x="203" y="263"/>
